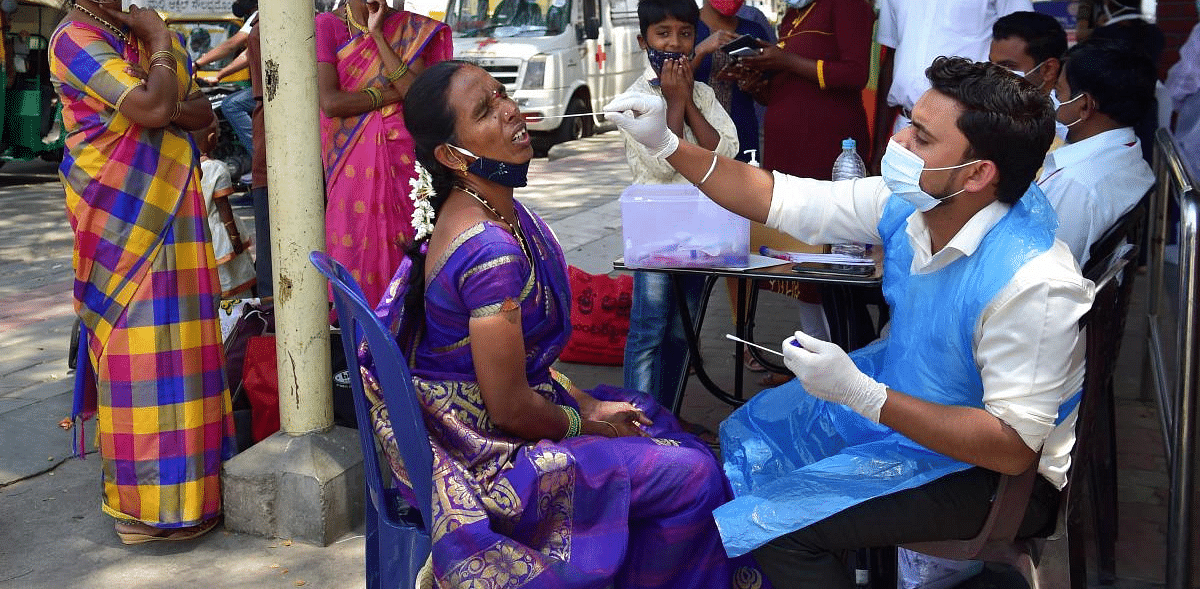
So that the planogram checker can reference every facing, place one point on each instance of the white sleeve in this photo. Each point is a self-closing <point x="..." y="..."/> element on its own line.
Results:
<point x="223" y="181"/>
<point x="819" y="211"/>
<point x="888" y="31"/>
<point x="1028" y="344"/>
<point x="249" y="24"/>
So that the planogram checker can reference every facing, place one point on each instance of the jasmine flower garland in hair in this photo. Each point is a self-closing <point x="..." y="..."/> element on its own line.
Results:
<point x="422" y="191"/>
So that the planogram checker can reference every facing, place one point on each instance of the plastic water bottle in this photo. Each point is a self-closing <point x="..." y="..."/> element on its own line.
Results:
<point x="848" y="166"/>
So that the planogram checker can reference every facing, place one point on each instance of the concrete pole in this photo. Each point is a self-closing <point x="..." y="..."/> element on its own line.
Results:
<point x="296" y="182"/>
<point x="306" y="481"/>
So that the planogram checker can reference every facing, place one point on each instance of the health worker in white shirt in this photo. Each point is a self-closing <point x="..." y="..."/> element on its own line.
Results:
<point x="980" y="372"/>
<point x="1099" y="174"/>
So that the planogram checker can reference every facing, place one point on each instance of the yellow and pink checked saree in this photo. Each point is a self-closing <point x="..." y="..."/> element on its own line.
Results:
<point x="369" y="157"/>
<point x="146" y="289"/>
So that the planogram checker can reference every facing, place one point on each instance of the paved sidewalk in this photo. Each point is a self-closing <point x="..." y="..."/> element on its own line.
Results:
<point x="52" y="533"/>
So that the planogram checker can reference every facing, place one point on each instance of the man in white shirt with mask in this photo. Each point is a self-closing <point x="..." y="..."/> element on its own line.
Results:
<point x="1031" y="45"/>
<point x="913" y="32"/>
<point x="981" y="371"/>
<point x="1099" y="174"/>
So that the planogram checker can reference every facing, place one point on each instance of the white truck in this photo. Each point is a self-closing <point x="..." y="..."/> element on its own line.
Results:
<point x="555" y="57"/>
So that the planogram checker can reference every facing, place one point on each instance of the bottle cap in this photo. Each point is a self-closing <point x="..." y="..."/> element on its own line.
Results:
<point x="848" y="144"/>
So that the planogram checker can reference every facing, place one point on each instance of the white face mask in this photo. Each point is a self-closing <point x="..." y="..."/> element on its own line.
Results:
<point x="1057" y="104"/>
<point x="799" y="3"/>
<point x="902" y="173"/>
<point x="1022" y="74"/>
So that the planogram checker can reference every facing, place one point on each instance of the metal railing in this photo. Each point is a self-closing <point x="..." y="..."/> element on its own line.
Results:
<point x="1171" y="354"/>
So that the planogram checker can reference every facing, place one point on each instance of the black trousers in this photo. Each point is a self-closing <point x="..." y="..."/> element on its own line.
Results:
<point x="952" y="507"/>
<point x="262" y="242"/>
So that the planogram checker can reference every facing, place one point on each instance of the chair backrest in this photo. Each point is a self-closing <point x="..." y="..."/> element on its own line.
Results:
<point x="359" y="323"/>
<point x="1112" y="273"/>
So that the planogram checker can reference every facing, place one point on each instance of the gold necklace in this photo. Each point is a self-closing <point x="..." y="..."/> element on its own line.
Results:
<point x="792" y="32"/>
<point x="120" y="35"/>
<point x="351" y="22"/>
<point x="483" y="201"/>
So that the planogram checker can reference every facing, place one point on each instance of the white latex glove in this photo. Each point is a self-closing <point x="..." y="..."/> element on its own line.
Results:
<point x="644" y="117"/>
<point x="828" y="373"/>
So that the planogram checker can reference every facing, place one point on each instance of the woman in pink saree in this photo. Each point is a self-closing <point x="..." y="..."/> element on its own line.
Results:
<point x="367" y="56"/>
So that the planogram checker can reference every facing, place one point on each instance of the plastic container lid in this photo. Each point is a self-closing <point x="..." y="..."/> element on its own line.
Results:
<point x="848" y="144"/>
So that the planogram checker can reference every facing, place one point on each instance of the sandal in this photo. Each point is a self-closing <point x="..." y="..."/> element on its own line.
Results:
<point x="750" y="363"/>
<point x="135" y="532"/>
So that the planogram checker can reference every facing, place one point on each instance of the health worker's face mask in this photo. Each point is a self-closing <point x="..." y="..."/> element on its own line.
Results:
<point x="727" y="7"/>
<point x="502" y="173"/>
<point x="657" y="58"/>
<point x="902" y="173"/>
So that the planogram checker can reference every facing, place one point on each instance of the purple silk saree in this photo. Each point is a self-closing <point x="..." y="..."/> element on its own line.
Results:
<point x="587" y="511"/>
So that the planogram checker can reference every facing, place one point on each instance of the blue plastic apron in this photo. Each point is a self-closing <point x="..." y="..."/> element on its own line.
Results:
<point x="793" y="459"/>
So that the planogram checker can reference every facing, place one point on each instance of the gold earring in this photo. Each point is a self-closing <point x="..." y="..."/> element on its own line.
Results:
<point x="462" y="166"/>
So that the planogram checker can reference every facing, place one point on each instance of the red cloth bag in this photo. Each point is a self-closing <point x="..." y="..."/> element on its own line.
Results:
<point x="260" y="378"/>
<point x="599" y="318"/>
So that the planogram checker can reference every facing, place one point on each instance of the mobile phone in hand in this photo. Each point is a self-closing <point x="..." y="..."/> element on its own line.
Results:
<point x="741" y="44"/>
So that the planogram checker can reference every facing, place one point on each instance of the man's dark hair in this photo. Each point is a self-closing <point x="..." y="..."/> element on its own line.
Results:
<point x="1117" y="76"/>
<point x="1043" y="35"/>
<point x="655" y="11"/>
<point x="1005" y="119"/>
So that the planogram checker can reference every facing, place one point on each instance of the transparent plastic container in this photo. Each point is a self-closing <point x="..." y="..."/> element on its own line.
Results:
<point x="676" y="226"/>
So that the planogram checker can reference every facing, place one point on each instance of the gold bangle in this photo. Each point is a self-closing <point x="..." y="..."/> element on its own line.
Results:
<point x="574" y="422"/>
<point x="174" y="72"/>
<point x="375" y="95"/>
<point x="562" y="379"/>
<point x="399" y="73"/>
<point x="616" y="434"/>
<point x="821" y="73"/>
<point x="164" y="53"/>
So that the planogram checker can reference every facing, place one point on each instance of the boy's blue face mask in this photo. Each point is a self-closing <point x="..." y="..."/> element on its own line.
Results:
<point x="502" y="173"/>
<point x="658" y="58"/>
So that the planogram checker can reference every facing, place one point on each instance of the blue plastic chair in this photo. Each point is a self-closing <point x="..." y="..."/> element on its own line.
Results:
<point x="398" y="541"/>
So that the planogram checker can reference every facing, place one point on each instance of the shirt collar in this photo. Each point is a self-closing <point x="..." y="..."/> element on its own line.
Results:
<point x="964" y="243"/>
<point x="1071" y="154"/>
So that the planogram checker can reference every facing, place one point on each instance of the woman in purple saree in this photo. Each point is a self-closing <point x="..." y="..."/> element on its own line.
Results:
<point x="536" y="483"/>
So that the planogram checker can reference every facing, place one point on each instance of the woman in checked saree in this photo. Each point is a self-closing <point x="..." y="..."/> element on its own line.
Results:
<point x="151" y="367"/>
<point x="536" y="482"/>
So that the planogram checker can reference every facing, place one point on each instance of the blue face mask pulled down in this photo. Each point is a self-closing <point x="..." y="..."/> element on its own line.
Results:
<point x="502" y="173"/>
